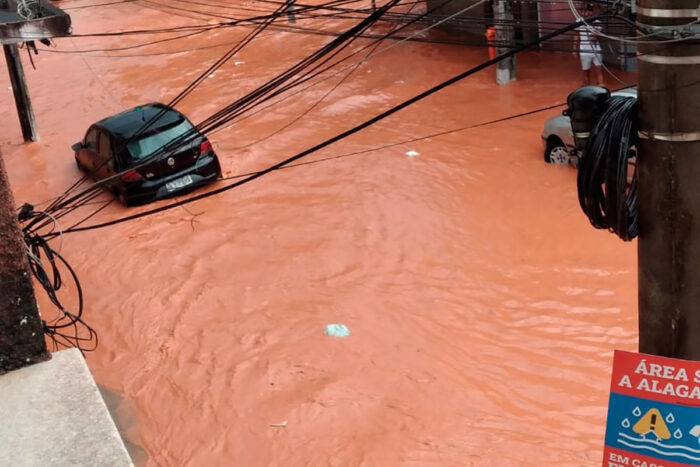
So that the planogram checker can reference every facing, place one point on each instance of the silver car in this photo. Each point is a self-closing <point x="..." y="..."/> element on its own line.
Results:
<point x="558" y="138"/>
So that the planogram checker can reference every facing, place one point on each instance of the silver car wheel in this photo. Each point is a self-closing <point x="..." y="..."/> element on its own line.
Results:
<point x="559" y="155"/>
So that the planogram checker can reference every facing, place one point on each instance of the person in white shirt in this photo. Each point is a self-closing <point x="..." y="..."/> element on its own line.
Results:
<point x="587" y="46"/>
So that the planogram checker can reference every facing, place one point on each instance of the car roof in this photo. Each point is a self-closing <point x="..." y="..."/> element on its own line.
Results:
<point x="128" y="123"/>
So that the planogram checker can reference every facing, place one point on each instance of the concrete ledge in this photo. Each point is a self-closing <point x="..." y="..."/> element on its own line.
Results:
<point x="53" y="414"/>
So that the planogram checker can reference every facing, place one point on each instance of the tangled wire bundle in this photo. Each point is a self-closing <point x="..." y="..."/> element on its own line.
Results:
<point x="68" y="328"/>
<point x="29" y="9"/>
<point x="607" y="178"/>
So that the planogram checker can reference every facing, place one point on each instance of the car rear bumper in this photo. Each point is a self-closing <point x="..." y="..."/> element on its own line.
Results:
<point x="199" y="174"/>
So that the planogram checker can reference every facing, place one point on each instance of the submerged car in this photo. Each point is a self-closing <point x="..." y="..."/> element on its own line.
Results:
<point x="118" y="149"/>
<point x="558" y="138"/>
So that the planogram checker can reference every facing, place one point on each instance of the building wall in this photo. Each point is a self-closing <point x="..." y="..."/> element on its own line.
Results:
<point x="463" y="24"/>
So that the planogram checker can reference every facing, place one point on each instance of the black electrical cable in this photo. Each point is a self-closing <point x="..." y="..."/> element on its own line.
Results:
<point x="228" y="55"/>
<point x="60" y="199"/>
<point x="302" y="9"/>
<point x="419" y="138"/>
<point x="94" y="5"/>
<point x="336" y="138"/>
<point x="477" y="21"/>
<point x="231" y="117"/>
<point x="259" y="95"/>
<point x="268" y="91"/>
<point x="131" y="47"/>
<point x="68" y="329"/>
<point x="197" y="27"/>
<point x="222" y="122"/>
<point x="312" y="106"/>
<point x="407" y="141"/>
<point x="607" y="190"/>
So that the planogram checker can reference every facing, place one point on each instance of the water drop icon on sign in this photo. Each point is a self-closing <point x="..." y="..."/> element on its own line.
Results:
<point x="637" y="412"/>
<point x="626" y="423"/>
<point x="670" y="418"/>
<point x="678" y="434"/>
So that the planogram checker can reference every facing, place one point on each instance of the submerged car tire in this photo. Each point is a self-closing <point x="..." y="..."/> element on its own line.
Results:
<point x="122" y="198"/>
<point x="557" y="153"/>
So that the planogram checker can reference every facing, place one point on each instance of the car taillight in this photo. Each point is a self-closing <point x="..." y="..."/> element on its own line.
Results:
<point x="205" y="147"/>
<point x="131" y="176"/>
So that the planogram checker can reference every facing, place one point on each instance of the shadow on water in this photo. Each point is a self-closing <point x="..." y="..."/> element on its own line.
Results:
<point x="123" y="412"/>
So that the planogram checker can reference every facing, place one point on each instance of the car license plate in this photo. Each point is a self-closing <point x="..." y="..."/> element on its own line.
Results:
<point x="179" y="183"/>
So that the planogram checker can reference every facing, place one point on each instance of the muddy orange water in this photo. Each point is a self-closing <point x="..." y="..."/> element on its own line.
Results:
<point x="483" y="307"/>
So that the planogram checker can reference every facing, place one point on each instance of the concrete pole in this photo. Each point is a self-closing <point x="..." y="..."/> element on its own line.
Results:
<point x="669" y="185"/>
<point x="290" y="11"/>
<point x="21" y="335"/>
<point x="19" y="88"/>
<point x="505" y="36"/>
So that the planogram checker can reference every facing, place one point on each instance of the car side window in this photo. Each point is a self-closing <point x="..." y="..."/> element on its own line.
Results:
<point x="105" y="151"/>
<point x="91" y="140"/>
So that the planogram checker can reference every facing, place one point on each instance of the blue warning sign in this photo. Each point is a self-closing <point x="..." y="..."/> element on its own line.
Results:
<point x="654" y="412"/>
<point x="665" y="431"/>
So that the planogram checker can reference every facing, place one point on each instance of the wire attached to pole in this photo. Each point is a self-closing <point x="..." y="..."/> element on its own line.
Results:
<point x="607" y="177"/>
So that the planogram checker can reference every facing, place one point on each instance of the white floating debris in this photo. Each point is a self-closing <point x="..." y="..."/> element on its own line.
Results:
<point x="279" y="425"/>
<point x="337" y="330"/>
<point x="237" y="63"/>
<point x="412" y="153"/>
<point x="212" y="75"/>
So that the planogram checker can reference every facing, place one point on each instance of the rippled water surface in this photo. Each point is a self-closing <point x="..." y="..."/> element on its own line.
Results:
<point x="483" y="307"/>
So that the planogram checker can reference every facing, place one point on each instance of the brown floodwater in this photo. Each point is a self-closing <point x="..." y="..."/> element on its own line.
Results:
<point x="483" y="307"/>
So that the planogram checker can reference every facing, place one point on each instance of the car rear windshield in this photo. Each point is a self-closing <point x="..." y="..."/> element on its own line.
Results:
<point x="147" y="145"/>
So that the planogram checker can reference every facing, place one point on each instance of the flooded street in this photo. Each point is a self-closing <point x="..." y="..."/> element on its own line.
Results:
<point x="483" y="307"/>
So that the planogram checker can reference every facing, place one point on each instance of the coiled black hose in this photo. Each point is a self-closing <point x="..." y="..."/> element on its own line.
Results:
<point x="607" y="177"/>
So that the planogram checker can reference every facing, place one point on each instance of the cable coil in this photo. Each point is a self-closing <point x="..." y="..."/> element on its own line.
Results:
<point x="607" y="177"/>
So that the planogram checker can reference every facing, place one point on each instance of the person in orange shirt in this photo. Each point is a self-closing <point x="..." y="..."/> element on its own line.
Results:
<point x="491" y="40"/>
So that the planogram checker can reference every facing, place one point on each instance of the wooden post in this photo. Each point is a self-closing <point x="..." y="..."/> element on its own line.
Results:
<point x="505" y="38"/>
<point x="21" y="335"/>
<point x="19" y="88"/>
<point x="669" y="183"/>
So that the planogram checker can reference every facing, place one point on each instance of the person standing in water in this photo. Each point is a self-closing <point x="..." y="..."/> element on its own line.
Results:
<point x="587" y="46"/>
<point x="491" y="40"/>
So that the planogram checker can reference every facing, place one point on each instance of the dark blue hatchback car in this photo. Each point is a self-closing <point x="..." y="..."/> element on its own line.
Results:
<point x="117" y="149"/>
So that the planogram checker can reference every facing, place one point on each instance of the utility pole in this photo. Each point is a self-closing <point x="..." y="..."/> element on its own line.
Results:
<point x="21" y="335"/>
<point x="669" y="182"/>
<point x="505" y="38"/>
<point x="24" y="21"/>
<point x="19" y="89"/>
